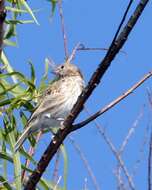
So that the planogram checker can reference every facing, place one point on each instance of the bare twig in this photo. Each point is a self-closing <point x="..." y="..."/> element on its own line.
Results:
<point x="57" y="183"/>
<point x="115" y="152"/>
<point x="118" y="157"/>
<point x="72" y="56"/>
<point x="141" y="151"/>
<point x="83" y="48"/>
<point x="63" y="29"/>
<point x="85" y="184"/>
<point x="31" y="153"/>
<point x="82" y="156"/>
<point x="121" y="184"/>
<point x="130" y="132"/>
<point x="121" y="150"/>
<point x="56" y="167"/>
<point x="149" y="97"/>
<point x="112" y="104"/>
<point x="94" y="81"/>
<point x="2" y="19"/>
<point x="150" y="164"/>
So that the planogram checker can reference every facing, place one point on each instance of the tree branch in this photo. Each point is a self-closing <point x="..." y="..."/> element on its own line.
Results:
<point x="63" y="29"/>
<point x="94" y="81"/>
<point x="112" y="104"/>
<point x="2" y="19"/>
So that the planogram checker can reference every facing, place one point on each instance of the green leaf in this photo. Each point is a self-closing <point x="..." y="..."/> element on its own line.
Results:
<point x="19" y="77"/>
<point x="18" y="90"/>
<point x="10" y="31"/>
<point x="9" y="43"/>
<point x="27" y="156"/>
<point x="6" y="90"/>
<point x="14" y="22"/>
<point x="29" y="10"/>
<point x="7" y="66"/>
<point x="5" y="183"/>
<point x="32" y="72"/>
<point x="5" y="102"/>
<point x="10" y="125"/>
<point x="13" y="9"/>
<point x="65" y="158"/>
<point x="54" y="2"/>
<point x="8" y="157"/>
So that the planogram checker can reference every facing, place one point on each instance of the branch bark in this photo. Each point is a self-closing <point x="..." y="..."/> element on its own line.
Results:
<point x="94" y="81"/>
<point x="2" y="19"/>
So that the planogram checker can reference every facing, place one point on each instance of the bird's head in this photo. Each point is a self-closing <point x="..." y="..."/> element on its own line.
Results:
<point x="67" y="69"/>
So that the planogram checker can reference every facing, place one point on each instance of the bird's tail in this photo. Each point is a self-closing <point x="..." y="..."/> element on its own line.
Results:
<point x="22" y="138"/>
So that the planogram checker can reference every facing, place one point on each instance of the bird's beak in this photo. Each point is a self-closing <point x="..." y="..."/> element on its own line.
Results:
<point x="55" y="71"/>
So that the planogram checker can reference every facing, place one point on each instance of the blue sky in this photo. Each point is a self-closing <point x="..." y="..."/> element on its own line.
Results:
<point x="94" y="24"/>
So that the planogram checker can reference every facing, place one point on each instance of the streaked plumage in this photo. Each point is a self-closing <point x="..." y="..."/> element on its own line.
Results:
<point x="56" y="102"/>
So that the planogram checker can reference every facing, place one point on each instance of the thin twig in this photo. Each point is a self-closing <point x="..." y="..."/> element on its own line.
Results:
<point x="83" y="48"/>
<point x="56" y="167"/>
<point x="94" y="81"/>
<point x="123" y="145"/>
<point x="31" y="153"/>
<point x="82" y="156"/>
<point x="114" y="151"/>
<point x="85" y="184"/>
<point x="130" y="132"/>
<point x="72" y="56"/>
<point x="150" y="164"/>
<point x="2" y="19"/>
<point x="141" y="151"/>
<point x="149" y="97"/>
<point x="121" y="184"/>
<point x="112" y="104"/>
<point x="57" y="183"/>
<point x="63" y="29"/>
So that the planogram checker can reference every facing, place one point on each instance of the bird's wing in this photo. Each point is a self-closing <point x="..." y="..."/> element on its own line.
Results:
<point x="50" y="99"/>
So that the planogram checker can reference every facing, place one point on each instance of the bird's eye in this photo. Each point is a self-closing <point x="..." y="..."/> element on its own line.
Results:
<point x="62" y="66"/>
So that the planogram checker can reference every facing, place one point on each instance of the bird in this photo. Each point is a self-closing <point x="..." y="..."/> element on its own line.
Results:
<point x="56" y="101"/>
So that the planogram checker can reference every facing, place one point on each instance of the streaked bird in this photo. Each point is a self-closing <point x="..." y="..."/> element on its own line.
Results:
<point x="56" y="101"/>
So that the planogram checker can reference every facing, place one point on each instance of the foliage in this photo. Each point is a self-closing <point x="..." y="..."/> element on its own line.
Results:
<point x="18" y="97"/>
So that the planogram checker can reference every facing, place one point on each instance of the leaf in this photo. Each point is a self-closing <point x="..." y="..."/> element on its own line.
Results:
<point x="14" y="22"/>
<point x="9" y="43"/>
<point x="10" y="31"/>
<point x="19" y="77"/>
<point x="10" y="124"/>
<point x="15" y="10"/>
<point x="65" y="158"/>
<point x="5" y="102"/>
<point x="5" y="183"/>
<point x="29" y="10"/>
<point x="54" y="2"/>
<point x="6" y="90"/>
<point x="32" y="72"/>
<point x="9" y="158"/>
<point x="18" y="90"/>
<point x="7" y="66"/>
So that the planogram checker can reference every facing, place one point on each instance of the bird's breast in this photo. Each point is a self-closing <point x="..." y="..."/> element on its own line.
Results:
<point x="71" y="90"/>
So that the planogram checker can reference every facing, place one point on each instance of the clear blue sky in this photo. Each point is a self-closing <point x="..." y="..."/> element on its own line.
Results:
<point x="94" y="23"/>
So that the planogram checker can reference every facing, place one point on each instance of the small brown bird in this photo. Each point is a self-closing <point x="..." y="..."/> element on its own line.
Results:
<point x="56" y="102"/>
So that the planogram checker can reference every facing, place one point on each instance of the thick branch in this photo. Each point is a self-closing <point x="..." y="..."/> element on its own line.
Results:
<point x="95" y="80"/>
<point x="112" y="104"/>
<point x="2" y="18"/>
